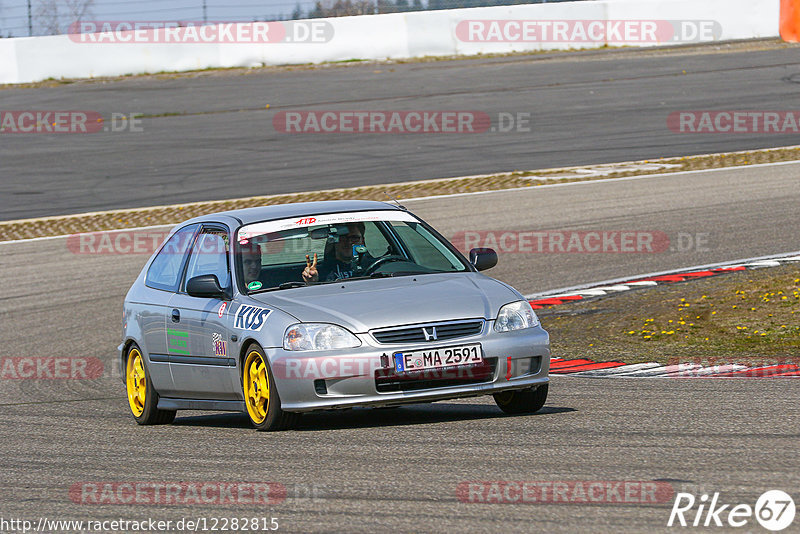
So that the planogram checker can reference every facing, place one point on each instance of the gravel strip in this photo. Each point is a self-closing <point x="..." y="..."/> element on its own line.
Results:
<point x="173" y="214"/>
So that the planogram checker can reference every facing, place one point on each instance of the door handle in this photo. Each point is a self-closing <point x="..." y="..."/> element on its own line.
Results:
<point x="176" y="316"/>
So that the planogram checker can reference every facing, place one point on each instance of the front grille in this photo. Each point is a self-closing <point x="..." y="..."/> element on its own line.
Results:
<point x="387" y="381"/>
<point x="417" y="334"/>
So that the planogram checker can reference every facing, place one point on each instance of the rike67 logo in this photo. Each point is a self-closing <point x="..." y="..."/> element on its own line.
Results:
<point x="774" y="510"/>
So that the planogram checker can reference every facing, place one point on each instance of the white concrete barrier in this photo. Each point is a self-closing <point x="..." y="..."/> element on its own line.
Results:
<point x="738" y="19"/>
<point x="407" y="35"/>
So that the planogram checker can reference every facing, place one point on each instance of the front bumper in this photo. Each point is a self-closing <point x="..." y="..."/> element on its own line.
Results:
<point x="365" y="376"/>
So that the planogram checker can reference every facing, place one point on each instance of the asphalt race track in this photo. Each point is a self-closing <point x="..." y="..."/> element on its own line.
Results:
<point x="211" y="137"/>
<point x="401" y="469"/>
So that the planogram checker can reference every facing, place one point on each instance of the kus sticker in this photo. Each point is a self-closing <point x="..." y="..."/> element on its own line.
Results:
<point x="220" y="346"/>
<point x="221" y="311"/>
<point x="251" y="318"/>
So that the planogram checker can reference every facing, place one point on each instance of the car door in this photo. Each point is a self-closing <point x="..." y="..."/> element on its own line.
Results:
<point x="198" y="336"/>
<point x="151" y="305"/>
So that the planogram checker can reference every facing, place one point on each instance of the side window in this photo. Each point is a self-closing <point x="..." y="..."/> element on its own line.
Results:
<point x="165" y="270"/>
<point x="210" y="256"/>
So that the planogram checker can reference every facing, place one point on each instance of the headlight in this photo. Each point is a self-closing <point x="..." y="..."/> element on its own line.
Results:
<point x="313" y="336"/>
<point x="515" y="316"/>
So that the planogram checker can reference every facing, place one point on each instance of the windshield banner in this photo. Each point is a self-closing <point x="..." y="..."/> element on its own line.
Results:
<point x="268" y="227"/>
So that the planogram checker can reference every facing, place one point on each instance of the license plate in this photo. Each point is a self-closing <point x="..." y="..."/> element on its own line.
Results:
<point x="435" y="358"/>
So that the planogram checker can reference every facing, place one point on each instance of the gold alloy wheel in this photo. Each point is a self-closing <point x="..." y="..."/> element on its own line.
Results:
<point x="136" y="381"/>
<point x="255" y="383"/>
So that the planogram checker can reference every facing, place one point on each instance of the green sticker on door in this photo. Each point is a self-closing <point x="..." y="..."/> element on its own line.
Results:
<point x="177" y="341"/>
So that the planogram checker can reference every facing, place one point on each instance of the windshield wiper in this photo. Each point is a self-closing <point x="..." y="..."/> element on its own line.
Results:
<point x="368" y="277"/>
<point x="285" y="285"/>
<point x="376" y="275"/>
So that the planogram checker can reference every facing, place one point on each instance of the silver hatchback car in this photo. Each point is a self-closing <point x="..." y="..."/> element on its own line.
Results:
<point x="280" y="310"/>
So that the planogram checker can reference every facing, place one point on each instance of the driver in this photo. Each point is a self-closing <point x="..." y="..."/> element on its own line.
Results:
<point x="340" y="264"/>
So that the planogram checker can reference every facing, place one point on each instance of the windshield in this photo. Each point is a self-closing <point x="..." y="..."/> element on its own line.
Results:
<point x="343" y="246"/>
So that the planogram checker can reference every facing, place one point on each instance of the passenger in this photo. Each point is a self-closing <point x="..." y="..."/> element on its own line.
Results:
<point x="251" y="262"/>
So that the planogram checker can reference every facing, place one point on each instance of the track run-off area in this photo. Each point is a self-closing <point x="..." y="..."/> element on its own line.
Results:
<point x="218" y="135"/>
<point x="378" y="469"/>
<point x="71" y="450"/>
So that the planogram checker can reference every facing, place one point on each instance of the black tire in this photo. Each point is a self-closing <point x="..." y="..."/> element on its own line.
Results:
<point x="265" y="412"/>
<point x="522" y="401"/>
<point x="142" y="397"/>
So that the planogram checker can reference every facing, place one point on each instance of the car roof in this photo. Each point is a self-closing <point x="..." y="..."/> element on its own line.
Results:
<point x="285" y="211"/>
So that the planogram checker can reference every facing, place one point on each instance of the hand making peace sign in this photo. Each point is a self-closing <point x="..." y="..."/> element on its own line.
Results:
<point x="310" y="273"/>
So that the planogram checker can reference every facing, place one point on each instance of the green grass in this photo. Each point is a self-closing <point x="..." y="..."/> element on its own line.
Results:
<point x="741" y="317"/>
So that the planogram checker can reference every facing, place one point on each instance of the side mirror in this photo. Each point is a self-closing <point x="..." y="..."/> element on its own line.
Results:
<point x="483" y="258"/>
<point x="205" y="286"/>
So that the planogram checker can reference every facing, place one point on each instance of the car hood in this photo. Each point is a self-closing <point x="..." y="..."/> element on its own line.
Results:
<point x="363" y="305"/>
